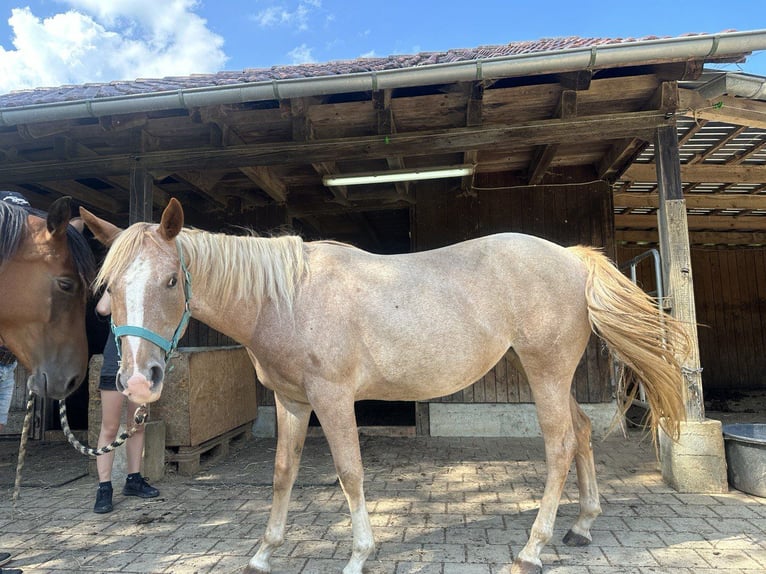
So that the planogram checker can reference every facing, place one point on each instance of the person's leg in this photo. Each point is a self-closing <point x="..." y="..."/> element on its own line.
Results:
<point x="136" y="485"/>
<point x="7" y="384"/>
<point x="111" y="411"/>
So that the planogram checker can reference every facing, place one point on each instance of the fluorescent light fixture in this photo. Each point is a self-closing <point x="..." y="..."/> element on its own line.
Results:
<point x="398" y="175"/>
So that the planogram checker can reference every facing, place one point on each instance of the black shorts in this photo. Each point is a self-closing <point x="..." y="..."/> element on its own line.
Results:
<point x="107" y="380"/>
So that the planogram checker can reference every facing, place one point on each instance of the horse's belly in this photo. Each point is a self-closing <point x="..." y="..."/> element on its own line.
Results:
<point x="428" y="376"/>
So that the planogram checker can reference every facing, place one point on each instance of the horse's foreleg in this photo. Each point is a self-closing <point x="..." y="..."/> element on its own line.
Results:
<point x="339" y="425"/>
<point x="590" y="507"/>
<point x="292" y="424"/>
<point x="552" y="401"/>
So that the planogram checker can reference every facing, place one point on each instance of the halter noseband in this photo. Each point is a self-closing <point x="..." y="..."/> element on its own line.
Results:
<point x="167" y="345"/>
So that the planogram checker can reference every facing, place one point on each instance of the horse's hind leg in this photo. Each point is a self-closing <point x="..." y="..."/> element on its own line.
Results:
<point x="336" y="414"/>
<point x="590" y="508"/>
<point x="550" y="387"/>
<point x="292" y="424"/>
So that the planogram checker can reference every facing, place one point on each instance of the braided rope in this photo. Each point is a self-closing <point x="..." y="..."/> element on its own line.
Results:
<point x="138" y="419"/>
<point x="23" y="448"/>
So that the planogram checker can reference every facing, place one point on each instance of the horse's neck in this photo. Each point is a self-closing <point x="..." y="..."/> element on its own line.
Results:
<point x="225" y="317"/>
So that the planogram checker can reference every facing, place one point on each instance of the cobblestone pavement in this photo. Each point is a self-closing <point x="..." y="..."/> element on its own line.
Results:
<point x="438" y="506"/>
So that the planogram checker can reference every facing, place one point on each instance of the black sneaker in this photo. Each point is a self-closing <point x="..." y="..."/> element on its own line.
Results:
<point x="137" y="486"/>
<point x="103" y="500"/>
<point x="11" y="571"/>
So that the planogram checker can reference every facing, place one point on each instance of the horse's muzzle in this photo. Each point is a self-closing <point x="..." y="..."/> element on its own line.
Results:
<point x="140" y="389"/>
<point x="58" y="388"/>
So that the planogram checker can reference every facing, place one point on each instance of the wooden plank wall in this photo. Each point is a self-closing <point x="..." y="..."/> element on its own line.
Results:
<point x="568" y="215"/>
<point x="730" y="298"/>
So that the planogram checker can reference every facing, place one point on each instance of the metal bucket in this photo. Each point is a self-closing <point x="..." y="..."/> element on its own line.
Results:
<point x="746" y="456"/>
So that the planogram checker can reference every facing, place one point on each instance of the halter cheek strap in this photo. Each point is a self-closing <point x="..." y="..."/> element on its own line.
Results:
<point x="167" y="345"/>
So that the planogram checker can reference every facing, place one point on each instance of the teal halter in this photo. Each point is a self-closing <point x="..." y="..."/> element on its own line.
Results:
<point x="167" y="345"/>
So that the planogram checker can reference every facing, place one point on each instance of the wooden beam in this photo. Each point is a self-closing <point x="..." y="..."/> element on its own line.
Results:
<point x="702" y="173"/>
<point x="140" y="196"/>
<point x="268" y="181"/>
<point x="701" y="157"/>
<point x="538" y="132"/>
<point x="543" y="155"/>
<point x="676" y="262"/>
<point x="728" y="109"/>
<point x="695" y="237"/>
<point x="694" y="200"/>
<point x="619" y="155"/>
<point x="473" y="117"/>
<point x="381" y="102"/>
<point x="697" y="222"/>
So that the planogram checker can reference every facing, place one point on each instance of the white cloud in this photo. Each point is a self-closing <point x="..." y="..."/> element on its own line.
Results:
<point x="279" y="15"/>
<point x="100" y="41"/>
<point x="301" y="55"/>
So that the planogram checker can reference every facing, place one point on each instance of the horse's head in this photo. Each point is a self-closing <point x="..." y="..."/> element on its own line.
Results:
<point x="43" y="280"/>
<point x="146" y="294"/>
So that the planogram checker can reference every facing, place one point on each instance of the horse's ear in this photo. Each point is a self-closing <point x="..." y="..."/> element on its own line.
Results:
<point x="59" y="215"/>
<point x="103" y="231"/>
<point x="172" y="220"/>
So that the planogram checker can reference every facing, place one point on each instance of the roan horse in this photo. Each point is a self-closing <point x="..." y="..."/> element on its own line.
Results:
<point x="327" y="324"/>
<point x="45" y="268"/>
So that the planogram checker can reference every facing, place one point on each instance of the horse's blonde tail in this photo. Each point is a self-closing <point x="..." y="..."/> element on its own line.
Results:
<point x="651" y="344"/>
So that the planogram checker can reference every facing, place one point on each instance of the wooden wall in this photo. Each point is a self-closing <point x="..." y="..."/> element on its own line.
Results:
<point x="568" y="215"/>
<point x="730" y="298"/>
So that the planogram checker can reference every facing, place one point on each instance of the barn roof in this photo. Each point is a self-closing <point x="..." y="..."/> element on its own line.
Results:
<point x="233" y="142"/>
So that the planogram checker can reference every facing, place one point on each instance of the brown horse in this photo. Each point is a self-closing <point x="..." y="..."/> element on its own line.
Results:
<point x="327" y="324"/>
<point x="45" y="268"/>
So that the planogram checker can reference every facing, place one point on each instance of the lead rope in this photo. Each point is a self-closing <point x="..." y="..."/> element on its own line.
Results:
<point x="138" y="419"/>
<point x="23" y="449"/>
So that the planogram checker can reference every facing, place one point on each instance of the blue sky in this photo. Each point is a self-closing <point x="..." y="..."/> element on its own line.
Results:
<point x="55" y="42"/>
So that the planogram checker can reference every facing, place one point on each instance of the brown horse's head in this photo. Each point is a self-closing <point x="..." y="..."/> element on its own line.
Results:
<point x="45" y="267"/>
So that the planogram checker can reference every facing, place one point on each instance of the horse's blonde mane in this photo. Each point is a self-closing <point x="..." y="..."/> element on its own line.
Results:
<point x="232" y="267"/>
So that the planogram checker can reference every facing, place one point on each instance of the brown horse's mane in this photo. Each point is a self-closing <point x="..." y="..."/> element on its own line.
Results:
<point x="233" y="267"/>
<point x="13" y="226"/>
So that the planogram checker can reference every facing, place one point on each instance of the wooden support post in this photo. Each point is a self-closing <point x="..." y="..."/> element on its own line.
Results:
<point x="676" y="258"/>
<point x="696" y="462"/>
<point x="141" y="200"/>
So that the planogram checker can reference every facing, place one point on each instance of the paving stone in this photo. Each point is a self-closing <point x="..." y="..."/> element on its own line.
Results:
<point x="437" y="506"/>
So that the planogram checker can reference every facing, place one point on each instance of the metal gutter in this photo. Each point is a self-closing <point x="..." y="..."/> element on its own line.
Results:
<point x="735" y="84"/>
<point x="703" y="47"/>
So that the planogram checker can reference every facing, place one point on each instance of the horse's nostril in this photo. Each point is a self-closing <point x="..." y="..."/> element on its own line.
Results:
<point x="157" y="375"/>
<point x="71" y="385"/>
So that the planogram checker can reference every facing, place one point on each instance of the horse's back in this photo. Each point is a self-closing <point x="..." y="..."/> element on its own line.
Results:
<point x="445" y="316"/>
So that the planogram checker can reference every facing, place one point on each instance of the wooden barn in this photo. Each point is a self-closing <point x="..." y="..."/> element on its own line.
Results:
<point x="563" y="138"/>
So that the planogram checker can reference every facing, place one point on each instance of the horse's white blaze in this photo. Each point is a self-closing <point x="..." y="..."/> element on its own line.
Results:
<point x="140" y="273"/>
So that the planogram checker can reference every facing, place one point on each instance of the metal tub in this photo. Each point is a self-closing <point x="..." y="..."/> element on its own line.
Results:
<point x="746" y="456"/>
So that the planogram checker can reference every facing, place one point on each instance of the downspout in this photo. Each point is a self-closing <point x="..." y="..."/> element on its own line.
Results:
<point x="593" y="57"/>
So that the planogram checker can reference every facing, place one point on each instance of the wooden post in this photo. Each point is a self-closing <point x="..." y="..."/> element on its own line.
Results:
<point x="676" y="258"/>
<point x="141" y="199"/>
<point x="696" y="462"/>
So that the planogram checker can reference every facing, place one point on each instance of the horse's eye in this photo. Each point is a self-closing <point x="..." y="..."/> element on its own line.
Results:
<point x="109" y="290"/>
<point x="173" y="281"/>
<point x="66" y="285"/>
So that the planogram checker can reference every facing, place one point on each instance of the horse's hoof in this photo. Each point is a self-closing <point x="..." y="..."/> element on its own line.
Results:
<point x="524" y="567"/>
<point x="250" y="570"/>
<point x="573" y="539"/>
